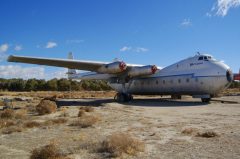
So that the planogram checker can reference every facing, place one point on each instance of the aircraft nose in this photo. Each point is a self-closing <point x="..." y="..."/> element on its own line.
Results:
<point x="229" y="75"/>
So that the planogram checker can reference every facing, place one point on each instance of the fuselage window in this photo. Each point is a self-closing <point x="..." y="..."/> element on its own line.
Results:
<point x="200" y="58"/>
<point x="171" y="81"/>
<point x="163" y="81"/>
<point x="187" y="80"/>
<point x="205" y="58"/>
<point x="196" y="79"/>
<point x="156" y="81"/>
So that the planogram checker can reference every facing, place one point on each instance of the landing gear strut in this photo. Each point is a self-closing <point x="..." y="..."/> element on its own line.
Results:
<point x="123" y="97"/>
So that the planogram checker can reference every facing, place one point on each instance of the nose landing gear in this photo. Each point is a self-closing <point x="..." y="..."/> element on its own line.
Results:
<point x="123" y="97"/>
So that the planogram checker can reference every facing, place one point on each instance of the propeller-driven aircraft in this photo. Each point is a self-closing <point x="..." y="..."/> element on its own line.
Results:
<point x="200" y="76"/>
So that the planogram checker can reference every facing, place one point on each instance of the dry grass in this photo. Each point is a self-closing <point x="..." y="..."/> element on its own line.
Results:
<point x="207" y="134"/>
<point x="32" y="124"/>
<point x="64" y="112"/>
<point x="12" y="129"/>
<point x="51" y="98"/>
<point x="81" y="113"/>
<point x="21" y="114"/>
<point x="6" y="123"/>
<point x="85" y="121"/>
<point x="7" y="114"/>
<point x="11" y="114"/>
<point x="2" y="103"/>
<point x="119" y="143"/>
<point x="87" y="109"/>
<point x="46" y="107"/>
<point x="189" y="131"/>
<point x="59" y="121"/>
<point x="50" y="151"/>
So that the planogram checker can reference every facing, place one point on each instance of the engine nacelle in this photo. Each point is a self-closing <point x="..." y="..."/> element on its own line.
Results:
<point x="112" y="68"/>
<point x="142" y="71"/>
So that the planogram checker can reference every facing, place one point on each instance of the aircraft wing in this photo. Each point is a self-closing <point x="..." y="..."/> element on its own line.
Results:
<point x="117" y="68"/>
<point x="67" y="63"/>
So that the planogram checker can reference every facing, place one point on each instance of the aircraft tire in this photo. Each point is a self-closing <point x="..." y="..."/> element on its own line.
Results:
<point x="206" y="100"/>
<point x="122" y="97"/>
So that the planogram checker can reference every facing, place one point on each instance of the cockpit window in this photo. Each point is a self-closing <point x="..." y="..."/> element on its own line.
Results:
<point x="205" y="57"/>
<point x="200" y="58"/>
<point x="209" y="57"/>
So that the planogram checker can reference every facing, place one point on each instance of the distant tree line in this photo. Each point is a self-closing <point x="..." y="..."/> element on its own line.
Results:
<point x="52" y="85"/>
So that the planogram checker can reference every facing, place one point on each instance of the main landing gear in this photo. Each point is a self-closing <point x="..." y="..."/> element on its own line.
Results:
<point x="206" y="100"/>
<point x="123" y="97"/>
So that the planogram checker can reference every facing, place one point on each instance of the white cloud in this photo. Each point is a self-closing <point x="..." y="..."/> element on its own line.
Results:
<point x="208" y="14"/>
<point x="125" y="48"/>
<point x="186" y="23"/>
<point x="4" y="48"/>
<point x="15" y="71"/>
<point x="58" y="73"/>
<point x="141" y="49"/>
<point x="51" y="44"/>
<point x="133" y="49"/>
<point x="222" y="7"/>
<point x="18" y="47"/>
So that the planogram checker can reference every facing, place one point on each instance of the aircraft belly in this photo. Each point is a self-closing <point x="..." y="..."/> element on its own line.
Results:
<point x="183" y="85"/>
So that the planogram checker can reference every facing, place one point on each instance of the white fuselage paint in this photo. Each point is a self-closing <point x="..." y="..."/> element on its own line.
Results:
<point x="187" y="77"/>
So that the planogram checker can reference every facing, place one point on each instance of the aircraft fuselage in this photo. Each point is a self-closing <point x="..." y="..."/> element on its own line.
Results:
<point x="198" y="75"/>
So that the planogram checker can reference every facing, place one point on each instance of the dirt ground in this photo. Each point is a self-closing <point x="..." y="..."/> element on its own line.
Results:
<point x="168" y="128"/>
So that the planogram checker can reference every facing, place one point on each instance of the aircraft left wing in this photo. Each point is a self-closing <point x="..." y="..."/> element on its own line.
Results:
<point x="67" y="63"/>
<point x="117" y="68"/>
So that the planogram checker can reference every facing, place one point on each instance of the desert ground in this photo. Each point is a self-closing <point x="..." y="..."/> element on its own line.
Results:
<point x="159" y="126"/>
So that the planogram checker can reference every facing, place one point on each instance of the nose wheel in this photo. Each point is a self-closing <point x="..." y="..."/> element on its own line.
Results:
<point x="123" y="97"/>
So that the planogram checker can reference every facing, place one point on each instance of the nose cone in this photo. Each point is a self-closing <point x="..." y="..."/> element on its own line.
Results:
<point x="224" y="70"/>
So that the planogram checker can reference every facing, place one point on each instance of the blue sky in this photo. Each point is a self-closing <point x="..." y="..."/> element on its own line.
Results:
<point x="136" y="31"/>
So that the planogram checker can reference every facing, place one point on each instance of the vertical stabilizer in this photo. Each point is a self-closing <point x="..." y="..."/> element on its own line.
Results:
<point x="71" y="72"/>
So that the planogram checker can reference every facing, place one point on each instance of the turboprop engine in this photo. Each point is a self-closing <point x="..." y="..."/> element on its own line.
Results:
<point x="112" y="68"/>
<point x="142" y="71"/>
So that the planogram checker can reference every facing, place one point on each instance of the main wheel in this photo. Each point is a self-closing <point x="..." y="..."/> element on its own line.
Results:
<point x="206" y="100"/>
<point x="123" y="97"/>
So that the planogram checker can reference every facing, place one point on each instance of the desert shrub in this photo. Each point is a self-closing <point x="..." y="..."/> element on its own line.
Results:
<point x="6" y="123"/>
<point x="2" y="103"/>
<point x="85" y="121"/>
<point x="31" y="124"/>
<point x="81" y="113"/>
<point x="21" y="114"/>
<point x="59" y="121"/>
<point x="52" y="98"/>
<point x="46" y="107"/>
<point x="119" y="143"/>
<point x="12" y="129"/>
<point x="7" y="114"/>
<point x="87" y="109"/>
<point x="50" y="151"/>
<point x="207" y="134"/>
<point x="188" y="131"/>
